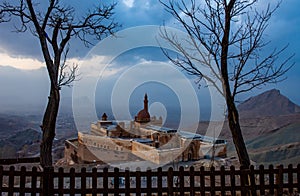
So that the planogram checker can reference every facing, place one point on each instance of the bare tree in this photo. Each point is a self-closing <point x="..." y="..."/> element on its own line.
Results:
<point x="226" y="37"/>
<point x="54" y="26"/>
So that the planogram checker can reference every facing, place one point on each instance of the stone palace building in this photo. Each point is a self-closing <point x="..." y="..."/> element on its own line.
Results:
<point x="143" y="138"/>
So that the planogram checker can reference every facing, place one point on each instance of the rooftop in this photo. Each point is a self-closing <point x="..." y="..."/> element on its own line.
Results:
<point x="143" y="140"/>
<point x="161" y="129"/>
<point x="195" y="136"/>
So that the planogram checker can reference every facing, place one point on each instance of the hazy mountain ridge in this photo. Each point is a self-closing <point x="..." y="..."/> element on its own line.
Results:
<point x="26" y="91"/>
<point x="269" y="103"/>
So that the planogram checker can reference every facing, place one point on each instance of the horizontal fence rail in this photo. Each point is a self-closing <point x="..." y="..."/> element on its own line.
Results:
<point x="185" y="181"/>
<point x="19" y="160"/>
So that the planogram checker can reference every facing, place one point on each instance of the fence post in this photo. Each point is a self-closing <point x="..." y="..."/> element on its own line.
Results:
<point x="1" y="179"/>
<point x="232" y="180"/>
<point x="271" y="179"/>
<point x="279" y="180"/>
<point x="138" y="181"/>
<point x="60" y="181"/>
<point x="47" y="179"/>
<point x="244" y="179"/>
<point x="116" y="181"/>
<point x="298" y="178"/>
<point x="159" y="181"/>
<point x="105" y="181"/>
<point x="34" y="181"/>
<point x="252" y="181"/>
<point x="192" y="180"/>
<point x="127" y="182"/>
<point x="202" y="181"/>
<point x="290" y="178"/>
<point x="11" y="180"/>
<point x="149" y="182"/>
<point x="83" y="181"/>
<point x="181" y="180"/>
<point x="212" y="181"/>
<point x="72" y="181"/>
<point x="22" y="181"/>
<point x="170" y="181"/>
<point x="222" y="178"/>
<point x="261" y="180"/>
<point x="94" y="181"/>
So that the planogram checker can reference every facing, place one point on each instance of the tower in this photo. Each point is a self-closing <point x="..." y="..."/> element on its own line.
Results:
<point x="104" y="117"/>
<point x="146" y="102"/>
<point x="143" y="116"/>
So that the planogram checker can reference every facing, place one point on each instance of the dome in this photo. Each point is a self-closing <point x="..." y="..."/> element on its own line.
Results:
<point x="104" y="117"/>
<point x="143" y="116"/>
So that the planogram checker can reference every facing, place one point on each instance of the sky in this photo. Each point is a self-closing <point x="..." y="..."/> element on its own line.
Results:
<point x="21" y="53"/>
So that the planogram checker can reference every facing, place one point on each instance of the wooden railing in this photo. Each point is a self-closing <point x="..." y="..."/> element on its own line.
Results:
<point x="191" y="181"/>
<point x="19" y="160"/>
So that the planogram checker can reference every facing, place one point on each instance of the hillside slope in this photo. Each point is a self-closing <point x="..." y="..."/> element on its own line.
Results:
<point x="269" y="103"/>
<point x="270" y="125"/>
<point x="19" y="143"/>
<point x="278" y="147"/>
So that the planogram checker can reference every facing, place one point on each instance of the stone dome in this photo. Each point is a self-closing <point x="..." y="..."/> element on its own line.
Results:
<point x="143" y="116"/>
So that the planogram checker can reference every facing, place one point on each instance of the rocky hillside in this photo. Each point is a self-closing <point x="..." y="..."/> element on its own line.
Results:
<point x="270" y="125"/>
<point x="280" y="147"/>
<point x="20" y="144"/>
<point x="271" y="128"/>
<point x="269" y="103"/>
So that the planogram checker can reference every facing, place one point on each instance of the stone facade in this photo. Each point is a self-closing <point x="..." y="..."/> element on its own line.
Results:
<point x="111" y="142"/>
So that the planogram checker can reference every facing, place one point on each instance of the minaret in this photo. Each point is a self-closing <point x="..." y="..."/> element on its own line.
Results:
<point x="143" y="116"/>
<point x="146" y="102"/>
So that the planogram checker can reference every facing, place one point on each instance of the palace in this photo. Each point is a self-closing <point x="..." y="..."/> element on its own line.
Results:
<point x="143" y="138"/>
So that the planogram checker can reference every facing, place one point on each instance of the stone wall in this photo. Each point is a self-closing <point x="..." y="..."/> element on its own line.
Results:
<point x="102" y="148"/>
<point x="71" y="151"/>
<point x="154" y="155"/>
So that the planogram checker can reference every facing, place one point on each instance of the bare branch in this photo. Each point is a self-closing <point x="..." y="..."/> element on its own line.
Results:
<point x="67" y="77"/>
<point x="229" y="35"/>
<point x="205" y="24"/>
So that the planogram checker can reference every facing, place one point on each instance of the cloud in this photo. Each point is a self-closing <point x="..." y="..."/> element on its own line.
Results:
<point x="128" y="3"/>
<point x="20" y="62"/>
<point x="22" y="50"/>
<point x="146" y="12"/>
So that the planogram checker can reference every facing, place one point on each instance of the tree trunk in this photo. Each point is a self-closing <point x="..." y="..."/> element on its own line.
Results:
<point x="238" y="140"/>
<point x="233" y="115"/>
<point x="48" y="127"/>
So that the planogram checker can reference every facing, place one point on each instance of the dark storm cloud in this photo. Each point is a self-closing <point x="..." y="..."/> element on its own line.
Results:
<point x="283" y="29"/>
<point x="24" y="44"/>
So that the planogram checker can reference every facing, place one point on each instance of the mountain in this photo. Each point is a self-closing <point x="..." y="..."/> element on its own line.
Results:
<point x="270" y="124"/>
<point x="269" y="103"/>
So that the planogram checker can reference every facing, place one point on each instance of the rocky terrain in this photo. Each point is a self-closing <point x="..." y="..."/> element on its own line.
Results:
<point x="270" y="125"/>
<point x="20" y="135"/>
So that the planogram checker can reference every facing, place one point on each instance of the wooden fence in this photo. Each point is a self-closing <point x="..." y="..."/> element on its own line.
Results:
<point x="185" y="181"/>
